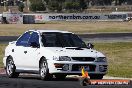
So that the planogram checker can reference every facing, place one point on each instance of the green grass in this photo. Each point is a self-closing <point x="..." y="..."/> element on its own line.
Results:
<point x="76" y="27"/>
<point x="119" y="57"/>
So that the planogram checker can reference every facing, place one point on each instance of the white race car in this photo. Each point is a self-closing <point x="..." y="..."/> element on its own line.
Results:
<point x="53" y="52"/>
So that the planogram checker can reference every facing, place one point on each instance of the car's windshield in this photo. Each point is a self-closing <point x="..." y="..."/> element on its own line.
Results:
<point x="50" y="39"/>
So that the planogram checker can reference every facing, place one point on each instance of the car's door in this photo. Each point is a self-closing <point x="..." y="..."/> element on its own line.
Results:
<point x="32" y="52"/>
<point x="19" y="50"/>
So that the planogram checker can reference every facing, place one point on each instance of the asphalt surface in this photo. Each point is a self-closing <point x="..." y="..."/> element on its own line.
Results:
<point x="107" y="37"/>
<point x="35" y="82"/>
<point x="99" y="37"/>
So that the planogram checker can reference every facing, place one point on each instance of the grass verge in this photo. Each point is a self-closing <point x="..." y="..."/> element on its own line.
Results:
<point x="119" y="58"/>
<point x="76" y="27"/>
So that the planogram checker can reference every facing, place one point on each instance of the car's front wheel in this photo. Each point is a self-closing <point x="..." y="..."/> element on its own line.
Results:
<point x="10" y="68"/>
<point x="44" y="72"/>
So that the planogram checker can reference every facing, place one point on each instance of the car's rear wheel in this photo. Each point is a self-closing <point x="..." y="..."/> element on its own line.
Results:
<point x="96" y="76"/>
<point x="60" y="76"/>
<point x="10" y="68"/>
<point x="44" y="71"/>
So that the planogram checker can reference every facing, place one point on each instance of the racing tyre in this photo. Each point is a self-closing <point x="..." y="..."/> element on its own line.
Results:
<point x="95" y="76"/>
<point x="44" y="71"/>
<point x="10" y="68"/>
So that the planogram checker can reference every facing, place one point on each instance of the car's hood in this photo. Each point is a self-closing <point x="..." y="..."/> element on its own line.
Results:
<point x="73" y="52"/>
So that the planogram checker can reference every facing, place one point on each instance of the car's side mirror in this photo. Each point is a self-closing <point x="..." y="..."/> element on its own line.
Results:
<point x="34" y="45"/>
<point x="90" y="46"/>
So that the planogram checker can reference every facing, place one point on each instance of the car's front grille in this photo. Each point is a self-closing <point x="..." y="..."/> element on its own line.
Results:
<point x="83" y="58"/>
<point x="77" y="67"/>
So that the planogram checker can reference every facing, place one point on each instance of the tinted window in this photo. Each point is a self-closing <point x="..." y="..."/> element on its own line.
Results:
<point x="23" y="40"/>
<point x="34" y="38"/>
<point x="49" y="40"/>
<point x="62" y="40"/>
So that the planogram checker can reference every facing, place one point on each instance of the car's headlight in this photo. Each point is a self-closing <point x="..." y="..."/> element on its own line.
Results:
<point x="62" y="58"/>
<point x="101" y="59"/>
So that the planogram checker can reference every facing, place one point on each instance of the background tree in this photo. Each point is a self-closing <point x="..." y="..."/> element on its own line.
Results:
<point x="21" y="7"/>
<point x="55" y="5"/>
<point x="37" y="5"/>
<point x="83" y="4"/>
<point x="129" y="2"/>
<point x="72" y="5"/>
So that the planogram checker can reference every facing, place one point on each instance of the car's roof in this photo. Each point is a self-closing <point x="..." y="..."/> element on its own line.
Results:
<point x="41" y="31"/>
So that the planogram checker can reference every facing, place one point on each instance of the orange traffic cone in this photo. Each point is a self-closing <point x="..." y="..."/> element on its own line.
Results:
<point x="85" y="79"/>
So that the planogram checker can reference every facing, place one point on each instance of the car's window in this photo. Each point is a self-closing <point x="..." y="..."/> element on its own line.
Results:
<point x="23" y="40"/>
<point x="34" y="38"/>
<point x="50" y="40"/>
<point x="77" y="41"/>
<point x="62" y="40"/>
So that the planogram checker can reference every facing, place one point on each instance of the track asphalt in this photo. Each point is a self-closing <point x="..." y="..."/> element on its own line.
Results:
<point x="87" y="37"/>
<point x="35" y="82"/>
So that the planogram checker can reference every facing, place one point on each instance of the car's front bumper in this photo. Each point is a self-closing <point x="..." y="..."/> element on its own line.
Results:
<point x="74" y="67"/>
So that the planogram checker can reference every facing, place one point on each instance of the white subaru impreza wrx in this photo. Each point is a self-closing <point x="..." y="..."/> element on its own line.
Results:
<point x="52" y="52"/>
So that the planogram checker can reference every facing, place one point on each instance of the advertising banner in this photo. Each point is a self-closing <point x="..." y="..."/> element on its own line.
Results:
<point x="79" y="17"/>
<point x="13" y="18"/>
<point x="0" y="18"/>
